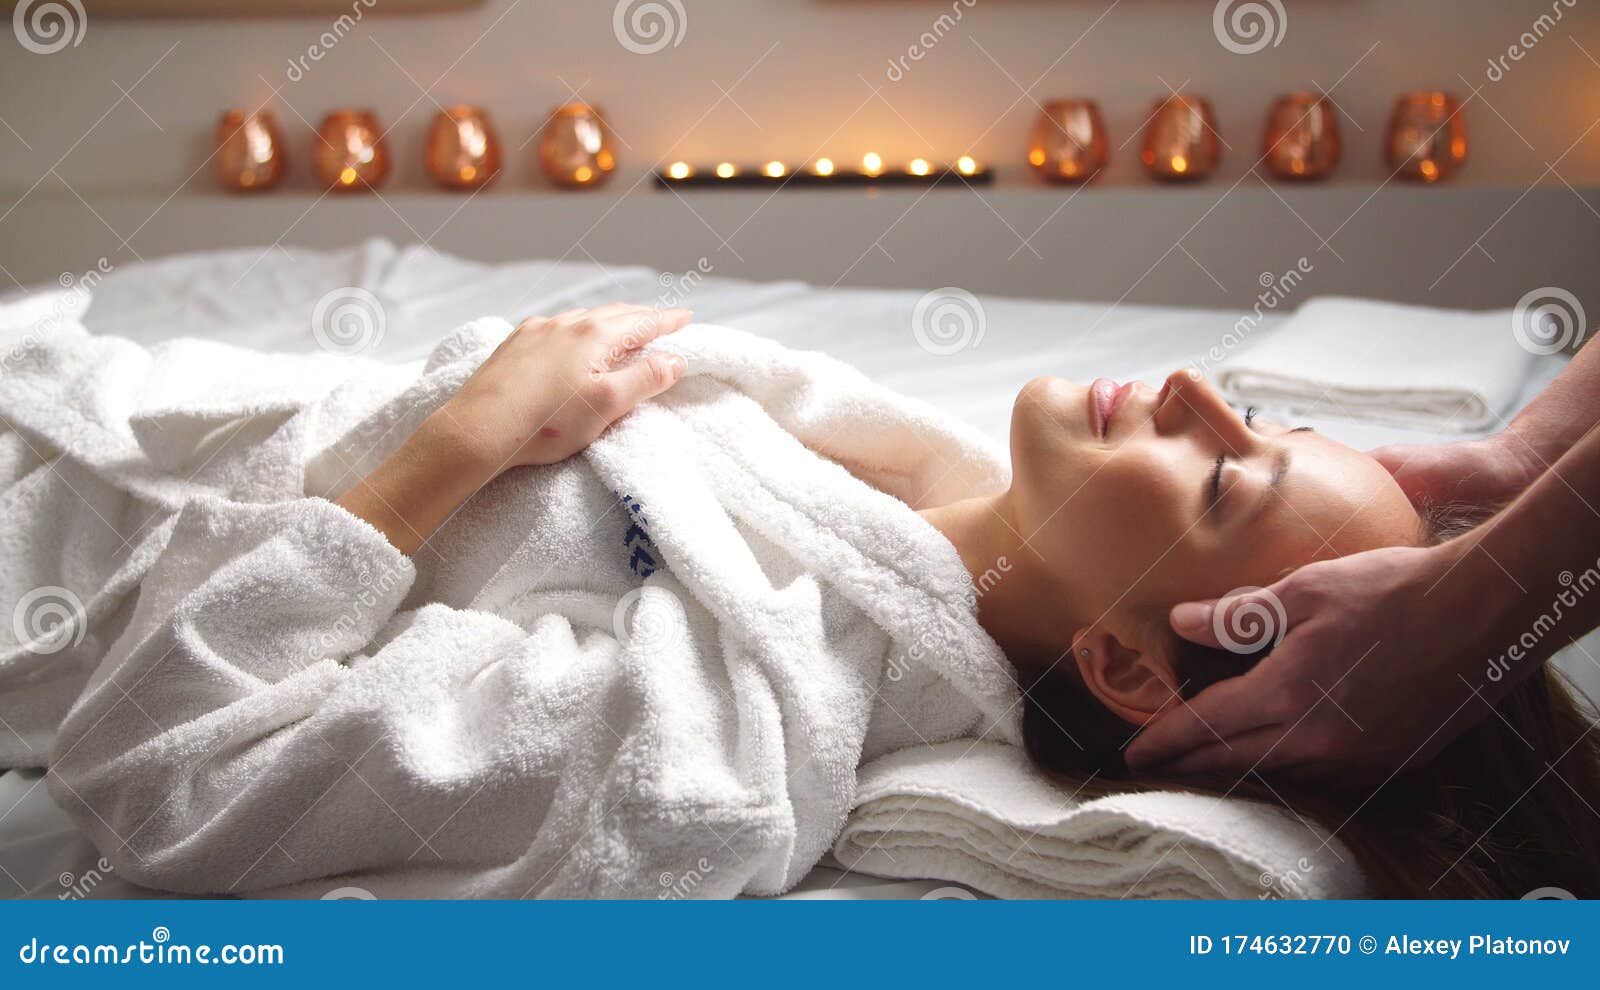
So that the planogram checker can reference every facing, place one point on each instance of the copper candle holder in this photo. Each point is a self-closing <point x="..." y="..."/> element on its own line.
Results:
<point x="1068" y="142"/>
<point x="1427" y="136"/>
<point x="1302" y="137"/>
<point x="250" y="152"/>
<point x="1181" y="141"/>
<point x="463" y="151"/>
<point x="575" y="147"/>
<point x="349" y="153"/>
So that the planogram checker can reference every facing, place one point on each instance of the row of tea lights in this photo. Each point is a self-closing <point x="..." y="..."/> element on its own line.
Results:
<point x="1069" y="143"/>
<point x="462" y="152"/>
<point x="1426" y="140"/>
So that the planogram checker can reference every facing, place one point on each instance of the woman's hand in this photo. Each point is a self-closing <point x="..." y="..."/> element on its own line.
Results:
<point x="553" y="386"/>
<point x="1479" y="474"/>
<point x="548" y="391"/>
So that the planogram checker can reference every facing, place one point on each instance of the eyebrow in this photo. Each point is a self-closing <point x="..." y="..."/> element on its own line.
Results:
<point x="1280" y="470"/>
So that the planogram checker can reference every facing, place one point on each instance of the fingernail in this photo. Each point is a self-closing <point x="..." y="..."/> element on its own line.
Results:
<point x="1191" y="618"/>
<point x="677" y="364"/>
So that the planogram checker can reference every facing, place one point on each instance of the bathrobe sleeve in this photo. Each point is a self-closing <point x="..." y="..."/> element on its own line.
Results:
<point x="247" y="729"/>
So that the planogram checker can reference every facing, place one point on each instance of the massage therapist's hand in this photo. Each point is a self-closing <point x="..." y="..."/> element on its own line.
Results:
<point x="1366" y="680"/>
<point x="548" y="391"/>
<point x="1479" y="474"/>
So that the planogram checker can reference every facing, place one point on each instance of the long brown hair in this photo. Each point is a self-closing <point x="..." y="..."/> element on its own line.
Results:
<point x="1508" y="808"/>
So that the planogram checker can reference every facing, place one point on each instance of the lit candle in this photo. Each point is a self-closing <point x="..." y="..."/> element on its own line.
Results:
<point x="679" y="170"/>
<point x="824" y="166"/>
<point x="966" y="165"/>
<point x="918" y="166"/>
<point x="775" y="170"/>
<point x="871" y="163"/>
<point x="726" y="170"/>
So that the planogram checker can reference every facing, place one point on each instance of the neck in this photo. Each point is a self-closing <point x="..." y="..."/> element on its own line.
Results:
<point x="1014" y="585"/>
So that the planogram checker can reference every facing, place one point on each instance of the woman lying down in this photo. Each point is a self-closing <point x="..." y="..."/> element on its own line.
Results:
<point x="574" y="607"/>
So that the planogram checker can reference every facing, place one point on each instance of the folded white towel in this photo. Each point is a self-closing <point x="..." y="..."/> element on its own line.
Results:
<point x="977" y="813"/>
<point x="1407" y="366"/>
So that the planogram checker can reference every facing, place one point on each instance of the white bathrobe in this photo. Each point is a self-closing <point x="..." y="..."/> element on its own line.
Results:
<point x="651" y="670"/>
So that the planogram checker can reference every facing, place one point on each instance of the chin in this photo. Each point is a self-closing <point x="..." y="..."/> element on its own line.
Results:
<point x="1046" y="418"/>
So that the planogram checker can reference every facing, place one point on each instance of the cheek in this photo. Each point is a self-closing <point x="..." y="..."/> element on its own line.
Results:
<point x="1122" y="527"/>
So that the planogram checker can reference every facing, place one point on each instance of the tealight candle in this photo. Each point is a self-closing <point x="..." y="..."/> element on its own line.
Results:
<point x="726" y="170"/>
<point x="823" y="166"/>
<point x="679" y="170"/>
<point x="967" y="165"/>
<point x="775" y="170"/>
<point x="918" y="166"/>
<point x="872" y="163"/>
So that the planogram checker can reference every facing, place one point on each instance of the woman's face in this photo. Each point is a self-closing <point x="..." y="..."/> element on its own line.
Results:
<point x="1137" y="499"/>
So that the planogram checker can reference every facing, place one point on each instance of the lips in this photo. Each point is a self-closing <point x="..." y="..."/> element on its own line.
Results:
<point x="1105" y="397"/>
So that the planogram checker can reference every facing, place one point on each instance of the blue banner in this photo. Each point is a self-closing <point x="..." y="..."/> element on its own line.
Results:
<point x="977" y="943"/>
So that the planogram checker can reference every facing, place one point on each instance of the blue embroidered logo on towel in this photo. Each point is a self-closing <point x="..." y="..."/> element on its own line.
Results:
<point x="643" y="555"/>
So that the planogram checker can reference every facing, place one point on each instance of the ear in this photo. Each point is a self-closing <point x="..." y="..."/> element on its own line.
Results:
<point x="1134" y="683"/>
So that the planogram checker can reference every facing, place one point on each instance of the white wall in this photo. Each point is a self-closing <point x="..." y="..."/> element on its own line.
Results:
<point x="812" y="91"/>
<point x="86" y="172"/>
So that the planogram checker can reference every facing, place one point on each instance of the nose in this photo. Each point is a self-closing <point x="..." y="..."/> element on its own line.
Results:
<point x="1190" y="404"/>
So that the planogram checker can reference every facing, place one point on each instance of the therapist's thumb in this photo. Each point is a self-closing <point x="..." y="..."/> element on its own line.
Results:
<point x="1192" y="621"/>
<point x="1244" y="621"/>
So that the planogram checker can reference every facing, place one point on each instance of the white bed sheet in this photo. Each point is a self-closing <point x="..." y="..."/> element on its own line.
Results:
<point x="265" y="299"/>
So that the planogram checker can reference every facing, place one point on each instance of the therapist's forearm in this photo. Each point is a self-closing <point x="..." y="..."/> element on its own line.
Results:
<point x="1534" y="568"/>
<point x="1567" y="409"/>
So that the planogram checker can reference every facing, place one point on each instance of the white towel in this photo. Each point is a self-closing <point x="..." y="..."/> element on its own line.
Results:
<point x="1407" y="366"/>
<point x="284" y="703"/>
<point x="977" y="813"/>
